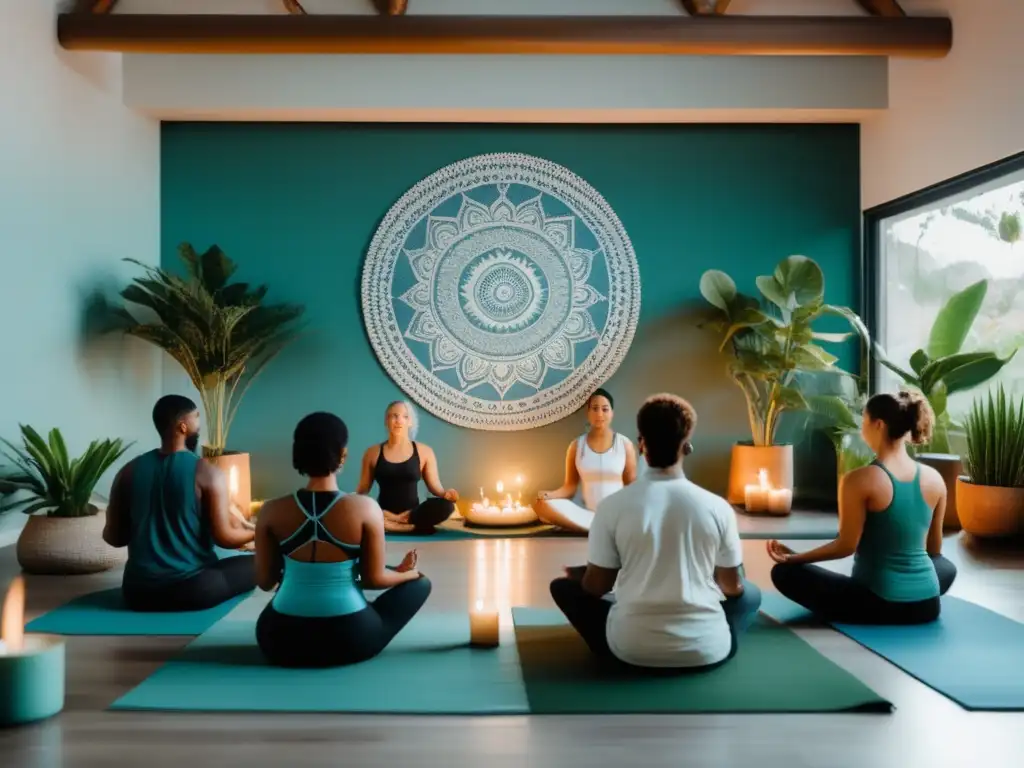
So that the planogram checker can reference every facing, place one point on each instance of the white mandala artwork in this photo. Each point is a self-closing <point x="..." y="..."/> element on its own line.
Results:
<point x="500" y="291"/>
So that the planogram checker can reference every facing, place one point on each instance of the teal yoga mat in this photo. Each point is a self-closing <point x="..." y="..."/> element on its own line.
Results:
<point x="427" y="669"/>
<point x="773" y="671"/>
<point x="971" y="655"/>
<point x="104" y="613"/>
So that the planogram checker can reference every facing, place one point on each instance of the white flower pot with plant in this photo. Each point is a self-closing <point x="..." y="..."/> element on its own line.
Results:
<point x="772" y="341"/>
<point x="990" y="495"/>
<point x="64" y="531"/>
<point x="222" y="334"/>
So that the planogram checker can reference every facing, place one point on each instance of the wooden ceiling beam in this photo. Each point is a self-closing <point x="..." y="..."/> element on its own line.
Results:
<point x="705" y="7"/>
<point x="94" y="6"/>
<point x="888" y="8"/>
<point x="586" y="35"/>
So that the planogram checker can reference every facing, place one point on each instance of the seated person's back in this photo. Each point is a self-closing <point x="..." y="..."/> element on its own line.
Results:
<point x="170" y="509"/>
<point x="667" y="536"/>
<point x="319" y="548"/>
<point x="171" y="538"/>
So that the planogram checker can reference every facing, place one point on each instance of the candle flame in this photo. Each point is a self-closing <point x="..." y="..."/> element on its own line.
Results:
<point x="762" y="478"/>
<point x="12" y="619"/>
<point x="501" y="487"/>
<point x="479" y="605"/>
<point x="233" y="482"/>
<point x="519" y="479"/>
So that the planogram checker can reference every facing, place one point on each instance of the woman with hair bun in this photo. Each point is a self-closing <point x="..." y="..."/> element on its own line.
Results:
<point x="320" y="548"/>
<point x="597" y="463"/>
<point x="890" y="520"/>
<point x="397" y="465"/>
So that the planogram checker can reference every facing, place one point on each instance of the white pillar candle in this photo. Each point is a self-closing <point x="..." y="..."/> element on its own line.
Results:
<point x="483" y="627"/>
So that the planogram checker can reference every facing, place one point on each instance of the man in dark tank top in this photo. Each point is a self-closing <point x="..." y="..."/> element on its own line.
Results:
<point x="171" y="509"/>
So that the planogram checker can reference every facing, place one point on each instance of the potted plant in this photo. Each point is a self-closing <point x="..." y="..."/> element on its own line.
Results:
<point x="990" y="495"/>
<point x="68" y="539"/>
<point x="773" y="342"/>
<point x="942" y="369"/>
<point x="222" y="334"/>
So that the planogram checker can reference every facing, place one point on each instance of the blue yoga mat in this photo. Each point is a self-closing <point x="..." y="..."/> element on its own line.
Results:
<point x="971" y="655"/>
<point x="429" y="668"/>
<point x="104" y="613"/>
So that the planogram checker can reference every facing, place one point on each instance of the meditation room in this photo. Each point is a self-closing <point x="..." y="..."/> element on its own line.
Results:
<point x="466" y="382"/>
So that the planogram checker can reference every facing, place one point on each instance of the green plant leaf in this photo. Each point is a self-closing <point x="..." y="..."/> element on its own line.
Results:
<point x="832" y="338"/>
<point x="718" y="289"/>
<point x="790" y="399"/>
<point x="954" y="321"/>
<point x="907" y="377"/>
<point x="834" y="410"/>
<point x="919" y="360"/>
<point x="801" y="279"/>
<point x="962" y="371"/>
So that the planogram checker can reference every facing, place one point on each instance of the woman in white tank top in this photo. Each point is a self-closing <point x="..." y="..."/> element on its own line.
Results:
<point x="597" y="463"/>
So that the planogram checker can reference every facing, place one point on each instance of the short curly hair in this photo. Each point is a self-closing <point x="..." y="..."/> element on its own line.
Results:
<point x="319" y="441"/>
<point x="665" y="423"/>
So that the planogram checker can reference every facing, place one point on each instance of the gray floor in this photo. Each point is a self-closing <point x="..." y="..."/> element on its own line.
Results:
<point x="926" y="729"/>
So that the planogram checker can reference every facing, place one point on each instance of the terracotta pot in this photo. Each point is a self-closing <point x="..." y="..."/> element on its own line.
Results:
<point x="949" y="466"/>
<point x="66" y="546"/>
<point x="988" y="511"/>
<point x="236" y="467"/>
<point x="748" y="460"/>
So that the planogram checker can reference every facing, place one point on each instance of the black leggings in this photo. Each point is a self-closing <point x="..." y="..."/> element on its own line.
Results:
<point x="431" y="513"/>
<point x="228" y="578"/>
<point x="589" y="617"/>
<point x="841" y="600"/>
<point x="333" y="641"/>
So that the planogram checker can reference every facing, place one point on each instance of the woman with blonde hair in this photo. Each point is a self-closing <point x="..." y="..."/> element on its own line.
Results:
<point x="890" y="520"/>
<point x="397" y="465"/>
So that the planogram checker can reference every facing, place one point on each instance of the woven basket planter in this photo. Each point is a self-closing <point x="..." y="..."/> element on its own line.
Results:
<point x="66" y="546"/>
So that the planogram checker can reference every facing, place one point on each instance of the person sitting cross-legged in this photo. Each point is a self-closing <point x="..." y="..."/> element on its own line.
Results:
<point x="672" y="551"/>
<point x="170" y="508"/>
<point x="319" y="549"/>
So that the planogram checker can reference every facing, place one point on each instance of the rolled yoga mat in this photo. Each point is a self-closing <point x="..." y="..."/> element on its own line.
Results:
<point x="971" y="655"/>
<point x="104" y="613"/>
<point x="427" y="669"/>
<point x="773" y="671"/>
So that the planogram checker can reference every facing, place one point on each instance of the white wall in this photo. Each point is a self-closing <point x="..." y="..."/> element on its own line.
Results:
<point x="579" y="89"/>
<point x="79" y="191"/>
<point x="948" y="116"/>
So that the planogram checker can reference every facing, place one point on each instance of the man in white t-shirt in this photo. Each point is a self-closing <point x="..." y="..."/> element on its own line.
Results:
<point x="681" y="599"/>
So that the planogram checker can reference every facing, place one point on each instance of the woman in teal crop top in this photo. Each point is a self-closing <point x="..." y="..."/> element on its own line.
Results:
<point x="320" y="548"/>
<point x="890" y="520"/>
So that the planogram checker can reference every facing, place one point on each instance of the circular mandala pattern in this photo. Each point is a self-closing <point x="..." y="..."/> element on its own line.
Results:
<point x="500" y="291"/>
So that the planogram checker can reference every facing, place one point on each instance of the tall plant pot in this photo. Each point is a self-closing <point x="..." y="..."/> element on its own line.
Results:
<point x="988" y="511"/>
<point x="949" y="466"/>
<point x="747" y="460"/>
<point x="235" y="467"/>
<point x="66" y="546"/>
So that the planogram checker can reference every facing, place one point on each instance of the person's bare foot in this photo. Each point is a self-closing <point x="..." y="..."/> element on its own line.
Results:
<point x="395" y="527"/>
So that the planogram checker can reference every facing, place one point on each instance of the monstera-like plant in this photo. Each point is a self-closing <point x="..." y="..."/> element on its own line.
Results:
<point x="941" y="368"/>
<point x="773" y="342"/>
<point x="223" y="335"/>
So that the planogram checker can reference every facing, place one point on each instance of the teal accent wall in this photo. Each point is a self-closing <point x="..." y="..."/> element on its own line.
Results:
<point x="297" y="205"/>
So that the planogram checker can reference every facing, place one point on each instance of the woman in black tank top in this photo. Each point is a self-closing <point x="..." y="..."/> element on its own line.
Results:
<point x="397" y="466"/>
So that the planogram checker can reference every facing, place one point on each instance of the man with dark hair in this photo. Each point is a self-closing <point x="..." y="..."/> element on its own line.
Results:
<point x="170" y="508"/>
<point x="674" y="549"/>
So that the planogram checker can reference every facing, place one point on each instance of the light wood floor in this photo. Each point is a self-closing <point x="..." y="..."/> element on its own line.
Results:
<point x="926" y="730"/>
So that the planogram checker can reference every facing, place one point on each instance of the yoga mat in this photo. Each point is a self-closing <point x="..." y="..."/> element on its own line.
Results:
<point x="773" y="671"/>
<point x="104" y="613"/>
<point x="971" y="655"/>
<point x="427" y="669"/>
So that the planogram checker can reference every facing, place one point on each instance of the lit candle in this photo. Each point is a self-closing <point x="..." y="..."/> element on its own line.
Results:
<point x="483" y="627"/>
<point x="756" y="496"/>
<point x="481" y="493"/>
<point x="12" y="619"/>
<point x="780" y="501"/>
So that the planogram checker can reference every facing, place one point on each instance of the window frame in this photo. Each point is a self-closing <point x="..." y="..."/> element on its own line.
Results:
<point x="871" y="254"/>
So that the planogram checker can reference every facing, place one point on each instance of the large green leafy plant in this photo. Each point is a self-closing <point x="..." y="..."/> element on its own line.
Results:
<point x="42" y="476"/>
<point x="772" y="338"/>
<point x="941" y="369"/>
<point x="222" y="334"/>
<point x="995" y="441"/>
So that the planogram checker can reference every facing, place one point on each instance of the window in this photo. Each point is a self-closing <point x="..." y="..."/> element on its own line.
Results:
<point x="924" y="248"/>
